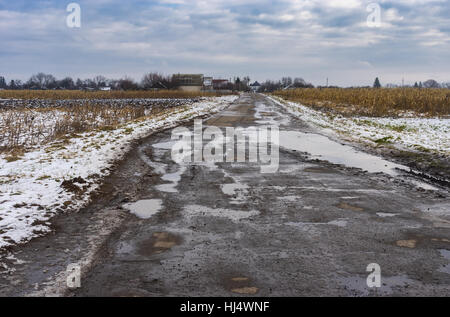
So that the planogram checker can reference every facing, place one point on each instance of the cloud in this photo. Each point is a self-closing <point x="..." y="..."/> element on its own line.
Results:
<point x="265" y="39"/>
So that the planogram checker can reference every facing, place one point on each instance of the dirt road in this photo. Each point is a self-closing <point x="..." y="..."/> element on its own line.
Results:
<point x="226" y="229"/>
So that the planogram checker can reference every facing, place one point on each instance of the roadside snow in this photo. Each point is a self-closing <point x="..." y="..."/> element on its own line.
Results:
<point x="430" y="134"/>
<point x="30" y="188"/>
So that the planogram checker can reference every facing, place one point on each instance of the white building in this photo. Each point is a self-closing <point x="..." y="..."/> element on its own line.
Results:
<point x="255" y="86"/>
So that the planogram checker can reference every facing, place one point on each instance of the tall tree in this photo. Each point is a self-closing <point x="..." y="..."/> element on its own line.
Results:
<point x="377" y="83"/>
<point x="3" y="82"/>
<point x="431" y="83"/>
<point x="66" y="83"/>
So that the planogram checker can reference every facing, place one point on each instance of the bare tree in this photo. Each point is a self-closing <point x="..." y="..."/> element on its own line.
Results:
<point x="431" y="83"/>
<point x="66" y="83"/>
<point x="42" y="81"/>
<point x="3" y="82"/>
<point x="100" y="81"/>
<point x="127" y="83"/>
<point x="151" y="80"/>
<point x="286" y="81"/>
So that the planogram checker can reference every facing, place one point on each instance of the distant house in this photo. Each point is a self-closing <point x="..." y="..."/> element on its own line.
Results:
<point x="105" y="88"/>
<point x="255" y="86"/>
<point x="188" y="82"/>
<point x="220" y="83"/>
<point x="208" y="83"/>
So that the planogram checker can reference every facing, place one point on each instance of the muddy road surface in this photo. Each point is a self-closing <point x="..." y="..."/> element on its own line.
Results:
<point x="159" y="228"/>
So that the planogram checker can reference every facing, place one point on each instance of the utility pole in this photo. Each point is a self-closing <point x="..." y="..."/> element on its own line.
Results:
<point x="327" y="82"/>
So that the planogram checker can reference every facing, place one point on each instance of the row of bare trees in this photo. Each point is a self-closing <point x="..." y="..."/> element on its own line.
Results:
<point x="156" y="80"/>
<point x="48" y="81"/>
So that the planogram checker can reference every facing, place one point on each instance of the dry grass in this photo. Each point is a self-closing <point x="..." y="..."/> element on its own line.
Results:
<point x="77" y="94"/>
<point x="373" y="102"/>
<point x="23" y="128"/>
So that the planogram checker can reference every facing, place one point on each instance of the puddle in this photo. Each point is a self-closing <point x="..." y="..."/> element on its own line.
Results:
<point x="231" y="189"/>
<point x="159" y="242"/>
<point x="160" y="150"/>
<point x="410" y="244"/>
<point x="159" y="168"/>
<point x="289" y="198"/>
<point x="386" y="215"/>
<point x="309" y="228"/>
<point x="241" y="285"/>
<point x="339" y="223"/>
<point x="322" y="148"/>
<point x="349" y="207"/>
<point x="245" y="290"/>
<point x="164" y="145"/>
<point x="174" y="178"/>
<point x="445" y="254"/>
<point x="240" y="279"/>
<point x="292" y="168"/>
<point x="320" y="170"/>
<point x="437" y="214"/>
<point x="423" y="185"/>
<point x="267" y="115"/>
<point x="145" y="209"/>
<point x="237" y="190"/>
<point x="358" y="285"/>
<point x="235" y="215"/>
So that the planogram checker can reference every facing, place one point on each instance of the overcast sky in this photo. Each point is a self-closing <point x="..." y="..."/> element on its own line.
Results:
<point x="313" y="39"/>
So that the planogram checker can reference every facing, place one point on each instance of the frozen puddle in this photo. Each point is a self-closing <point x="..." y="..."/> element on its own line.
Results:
<point x="174" y="178"/>
<point x="237" y="190"/>
<point x="234" y="215"/>
<point x="386" y="215"/>
<point x="321" y="147"/>
<point x="145" y="209"/>
<point x="267" y="115"/>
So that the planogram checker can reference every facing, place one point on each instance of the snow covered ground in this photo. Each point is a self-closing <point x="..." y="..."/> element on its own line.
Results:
<point x="31" y="190"/>
<point x="425" y="134"/>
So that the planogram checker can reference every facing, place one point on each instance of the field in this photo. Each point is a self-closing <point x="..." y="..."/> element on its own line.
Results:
<point x="374" y="102"/>
<point x="77" y="94"/>
<point x="30" y="118"/>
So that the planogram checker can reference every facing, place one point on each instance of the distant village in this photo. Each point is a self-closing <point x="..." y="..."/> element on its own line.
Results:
<point x="152" y="81"/>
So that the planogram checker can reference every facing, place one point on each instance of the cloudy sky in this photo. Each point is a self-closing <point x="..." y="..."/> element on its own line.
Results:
<point x="313" y="39"/>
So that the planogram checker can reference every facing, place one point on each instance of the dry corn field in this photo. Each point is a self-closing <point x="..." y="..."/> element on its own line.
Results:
<point x="29" y="118"/>
<point x="77" y="94"/>
<point x="23" y="127"/>
<point x="373" y="102"/>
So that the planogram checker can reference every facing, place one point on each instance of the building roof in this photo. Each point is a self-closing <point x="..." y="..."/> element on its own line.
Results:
<point x="188" y="79"/>
<point x="255" y="84"/>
